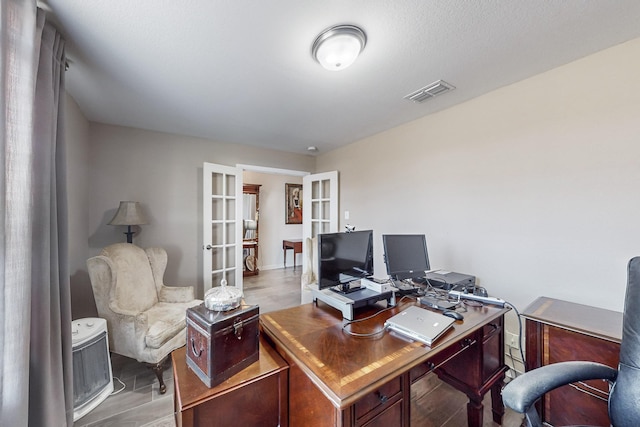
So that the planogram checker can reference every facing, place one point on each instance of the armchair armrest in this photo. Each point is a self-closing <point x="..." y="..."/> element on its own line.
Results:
<point x="522" y="392"/>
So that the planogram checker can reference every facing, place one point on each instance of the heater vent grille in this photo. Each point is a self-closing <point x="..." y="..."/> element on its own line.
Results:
<point x="430" y="91"/>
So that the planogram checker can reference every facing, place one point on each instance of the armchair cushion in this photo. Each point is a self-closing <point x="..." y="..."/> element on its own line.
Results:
<point x="164" y="320"/>
<point x="176" y="294"/>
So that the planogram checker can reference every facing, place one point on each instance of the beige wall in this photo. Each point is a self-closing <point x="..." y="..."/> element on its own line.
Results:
<point x="77" y="140"/>
<point x="272" y="215"/>
<point x="533" y="187"/>
<point x="164" y="173"/>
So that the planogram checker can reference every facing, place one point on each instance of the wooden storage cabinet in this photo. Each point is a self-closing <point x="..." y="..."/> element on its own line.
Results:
<point x="558" y="331"/>
<point x="221" y="344"/>
<point x="255" y="396"/>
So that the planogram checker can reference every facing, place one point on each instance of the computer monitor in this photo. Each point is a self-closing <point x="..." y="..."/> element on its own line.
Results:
<point x="344" y="257"/>
<point x="405" y="255"/>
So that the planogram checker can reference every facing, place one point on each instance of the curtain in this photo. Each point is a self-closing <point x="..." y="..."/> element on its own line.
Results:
<point x="36" y="380"/>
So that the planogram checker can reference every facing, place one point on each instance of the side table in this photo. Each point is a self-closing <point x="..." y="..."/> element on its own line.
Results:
<point x="257" y="395"/>
<point x="296" y="245"/>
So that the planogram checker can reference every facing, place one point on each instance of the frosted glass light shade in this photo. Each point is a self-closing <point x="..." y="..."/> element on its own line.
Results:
<point x="338" y="47"/>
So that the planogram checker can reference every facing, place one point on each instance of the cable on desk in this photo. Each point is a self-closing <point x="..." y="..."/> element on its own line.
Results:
<point x="514" y="360"/>
<point x="447" y="285"/>
<point x="519" y="330"/>
<point x="370" y="334"/>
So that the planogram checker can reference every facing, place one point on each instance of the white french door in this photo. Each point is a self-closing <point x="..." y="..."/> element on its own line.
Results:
<point x="319" y="207"/>
<point x="222" y="225"/>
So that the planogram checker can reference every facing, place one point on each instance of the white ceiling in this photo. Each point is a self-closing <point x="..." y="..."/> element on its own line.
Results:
<point x="241" y="71"/>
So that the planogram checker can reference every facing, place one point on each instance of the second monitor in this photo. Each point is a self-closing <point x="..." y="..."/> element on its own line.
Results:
<point x="406" y="256"/>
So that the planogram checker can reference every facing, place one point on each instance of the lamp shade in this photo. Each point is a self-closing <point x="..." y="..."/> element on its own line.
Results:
<point x="250" y="224"/>
<point x="129" y="213"/>
<point x="337" y="47"/>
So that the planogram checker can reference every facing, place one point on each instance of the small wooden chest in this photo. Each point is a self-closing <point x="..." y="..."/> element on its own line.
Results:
<point x="221" y="343"/>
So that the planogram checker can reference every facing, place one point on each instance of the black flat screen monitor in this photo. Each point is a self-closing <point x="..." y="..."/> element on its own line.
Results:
<point x="344" y="257"/>
<point x="405" y="255"/>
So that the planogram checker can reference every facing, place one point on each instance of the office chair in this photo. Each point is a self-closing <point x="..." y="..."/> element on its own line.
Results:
<point x="624" y="395"/>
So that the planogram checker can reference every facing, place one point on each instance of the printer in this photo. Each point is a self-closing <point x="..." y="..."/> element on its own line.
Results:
<point x="450" y="280"/>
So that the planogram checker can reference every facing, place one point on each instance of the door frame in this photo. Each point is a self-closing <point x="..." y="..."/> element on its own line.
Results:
<point x="269" y="170"/>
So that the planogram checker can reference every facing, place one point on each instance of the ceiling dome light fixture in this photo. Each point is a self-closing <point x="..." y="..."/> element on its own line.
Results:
<point x="338" y="47"/>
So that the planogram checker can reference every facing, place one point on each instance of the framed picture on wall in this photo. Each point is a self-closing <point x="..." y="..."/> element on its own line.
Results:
<point x="293" y="203"/>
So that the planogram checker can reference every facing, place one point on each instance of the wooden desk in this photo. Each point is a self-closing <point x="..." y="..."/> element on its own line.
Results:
<point x="558" y="331"/>
<point x="339" y="380"/>
<point x="255" y="396"/>
<point x="296" y="245"/>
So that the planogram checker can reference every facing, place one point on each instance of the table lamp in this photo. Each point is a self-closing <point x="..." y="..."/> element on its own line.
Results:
<point x="129" y="213"/>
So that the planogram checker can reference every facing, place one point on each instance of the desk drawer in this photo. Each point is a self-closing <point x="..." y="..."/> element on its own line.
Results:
<point x="391" y="416"/>
<point x="378" y="400"/>
<point x="441" y="358"/>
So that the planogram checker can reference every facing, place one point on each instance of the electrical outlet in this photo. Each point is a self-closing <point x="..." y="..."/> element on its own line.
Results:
<point x="512" y="340"/>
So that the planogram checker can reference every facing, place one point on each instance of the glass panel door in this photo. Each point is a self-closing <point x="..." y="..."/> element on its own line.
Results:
<point x="222" y="239"/>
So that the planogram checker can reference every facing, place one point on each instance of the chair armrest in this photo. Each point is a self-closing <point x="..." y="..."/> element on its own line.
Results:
<point x="522" y="392"/>
<point x="113" y="305"/>
<point x="176" y="293"/>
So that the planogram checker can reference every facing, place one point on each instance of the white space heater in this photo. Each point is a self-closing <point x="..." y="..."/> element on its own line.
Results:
<point x="92" y="377"/>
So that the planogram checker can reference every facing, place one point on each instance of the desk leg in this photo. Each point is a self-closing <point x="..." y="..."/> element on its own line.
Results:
<point x="474" y="412"/>
<point x="497" y="407"/>
<point x="475" y="408"/>
<point x="284" y="249"/>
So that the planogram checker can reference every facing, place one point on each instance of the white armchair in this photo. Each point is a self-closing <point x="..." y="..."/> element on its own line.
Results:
<point x="309" y="278"/>
<point x="145" y="318"/>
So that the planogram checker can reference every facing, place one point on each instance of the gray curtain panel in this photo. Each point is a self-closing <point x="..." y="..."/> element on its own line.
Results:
<point x="36" y="381"/>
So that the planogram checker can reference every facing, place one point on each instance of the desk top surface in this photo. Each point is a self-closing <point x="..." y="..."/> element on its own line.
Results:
<point x="292" y="241"/>
<point x="345" y="367"/>
<point x="594" y="321"/>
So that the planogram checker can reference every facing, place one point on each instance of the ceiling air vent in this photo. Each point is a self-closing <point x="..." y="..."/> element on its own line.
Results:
<point x="430" y="91"/>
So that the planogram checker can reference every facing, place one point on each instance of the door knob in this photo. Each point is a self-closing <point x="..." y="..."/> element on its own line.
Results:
<point x="208" y="247"/>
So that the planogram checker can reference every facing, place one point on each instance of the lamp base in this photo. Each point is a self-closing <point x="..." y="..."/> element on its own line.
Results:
<point x="129" y="234"/>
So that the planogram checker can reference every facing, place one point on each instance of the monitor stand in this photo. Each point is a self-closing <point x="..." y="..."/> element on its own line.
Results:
<point x="349" y="301"/>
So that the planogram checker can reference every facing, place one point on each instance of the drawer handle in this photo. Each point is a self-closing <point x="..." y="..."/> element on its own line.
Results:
<point x="237" y="328"/>
<point x="382" y="397"/>
<point x="465" y="344"/>
<point x="193" y="348"/>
